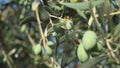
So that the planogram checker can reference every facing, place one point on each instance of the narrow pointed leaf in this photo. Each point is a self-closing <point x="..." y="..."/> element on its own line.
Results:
<point x="83" y="5"/>
<point x="92" y="62"/>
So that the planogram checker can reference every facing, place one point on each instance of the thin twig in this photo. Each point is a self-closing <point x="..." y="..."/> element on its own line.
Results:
<point x="40" y="28"/>
<point x="96" y="15"/>
<point x="51" y="21"/>
<point x="90" y="21"/>
<point x="93" y="10"/>
<point x="55" y="17"/>
<point x="30" y="39"/>
<point x="54" y="63"/>
<point x="113" y="13"/>
<point x="5" y="55"/>
<point x="111" y="51"/>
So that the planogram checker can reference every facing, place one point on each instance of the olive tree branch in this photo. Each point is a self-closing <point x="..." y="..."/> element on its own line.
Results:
<point x="93" y="12"/>
<point x="111" y="51"/>
<point x="40" y="28"/>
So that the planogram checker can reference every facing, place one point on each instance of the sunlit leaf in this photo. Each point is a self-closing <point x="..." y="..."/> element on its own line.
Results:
<point x="81" y="13"/>
<point x="37" y="49"/>
<point x="50" y="43"/>
<point x="23" y="28"/>
<point x="83" y="5"/>
<point x="54" y="34"/>
<point x="35" y="5"/>
<point x="69" y="24"/>
<point x="99" y="46"/>
<point x="48" y="50"/>
<point x="116" y="32"/>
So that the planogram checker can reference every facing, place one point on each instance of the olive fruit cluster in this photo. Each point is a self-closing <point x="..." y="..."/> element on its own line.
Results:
<point x="89" y="40"/>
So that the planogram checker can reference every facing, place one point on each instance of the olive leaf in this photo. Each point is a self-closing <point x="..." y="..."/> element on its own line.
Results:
<point x="81" y="13"/>
<point x="83" y="5"/>
<point x="23" y="28"/>
<point x="35" y="5"/>
<point x="48" y="50"/>
<point x="37" y="49"/>
<point x="50" y="43"/>
<point x="116" y="32"/>
<point x="92" y="62"/>
<point x="55" y="27"/>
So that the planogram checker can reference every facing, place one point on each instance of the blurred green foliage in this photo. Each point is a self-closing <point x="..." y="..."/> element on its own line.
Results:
<point x="63" y="25"/>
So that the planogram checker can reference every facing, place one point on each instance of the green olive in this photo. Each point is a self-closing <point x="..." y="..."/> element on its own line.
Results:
<point x="89" y="40"/>
<point x="81" y="53"/>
